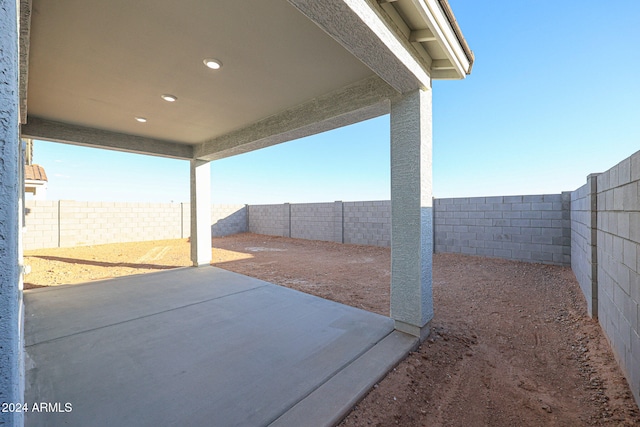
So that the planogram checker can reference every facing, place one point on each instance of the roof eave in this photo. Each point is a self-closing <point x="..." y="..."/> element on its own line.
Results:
<point x="448" y="36"/>
<point x="446" y="8"/>
<point x="433" y="29"/>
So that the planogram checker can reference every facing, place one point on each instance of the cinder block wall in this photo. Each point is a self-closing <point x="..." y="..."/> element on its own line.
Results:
<point x="364" y="223"/>
<point x="273" y="220"/>
<point x="523" y="228"/>
<point x="367" y="223"/>
<point x="228" y="219"/>
<point x="91" y="223"/>
<point x="584" y="242"/>
<point x="63" y="223"/>
<point x="317" y="221"/>
<point x="42" y="224"/>
<point x="526" y="228"/>
<point x="618" y="258"/>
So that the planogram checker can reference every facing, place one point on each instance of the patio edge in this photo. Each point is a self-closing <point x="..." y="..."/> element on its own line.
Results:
<point x="332" y="401"/>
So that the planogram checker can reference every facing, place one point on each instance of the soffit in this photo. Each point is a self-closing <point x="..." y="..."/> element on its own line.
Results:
<point x="98" y="64"/>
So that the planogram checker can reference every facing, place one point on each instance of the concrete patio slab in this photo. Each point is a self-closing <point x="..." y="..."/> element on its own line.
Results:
<point x="199" y="346"/>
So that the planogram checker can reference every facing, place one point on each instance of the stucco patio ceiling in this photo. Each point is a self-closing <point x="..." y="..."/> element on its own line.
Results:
<point x="289" y="69"/>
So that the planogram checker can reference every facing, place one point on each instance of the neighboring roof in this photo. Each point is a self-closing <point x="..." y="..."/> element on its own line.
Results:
<point x="35" y="173"/>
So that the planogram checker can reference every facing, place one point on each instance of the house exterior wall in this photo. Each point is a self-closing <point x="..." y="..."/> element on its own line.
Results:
<point x="11" y="187"/>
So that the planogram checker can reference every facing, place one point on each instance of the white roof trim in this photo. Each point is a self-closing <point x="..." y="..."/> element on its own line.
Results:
<point x="439" y="24"/>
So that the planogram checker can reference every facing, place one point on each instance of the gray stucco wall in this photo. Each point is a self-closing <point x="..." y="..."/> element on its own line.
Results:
<point x="524" y="228"/>
<point x="618" y="259"/>
<point x="11" y="345"/>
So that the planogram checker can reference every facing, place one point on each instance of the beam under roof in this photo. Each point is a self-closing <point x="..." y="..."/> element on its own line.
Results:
<point x="364" y="100"/>
<point x="359" y="27"/>
<point x="48" y="130"/>
<point x="420" y="36"/>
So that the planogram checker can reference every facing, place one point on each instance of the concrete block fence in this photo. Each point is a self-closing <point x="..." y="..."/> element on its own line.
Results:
<point x="65" y="223"/>
<point x="584" y="242"/>
<point x="523" y="228"/>
<point x="273" y="220"/>
<point x="316" y="221"/>
<point x="364" y="223"/>
<point x="617" y="260"/>
<point x="528" y="228"/>
<point x="367" y="223"/>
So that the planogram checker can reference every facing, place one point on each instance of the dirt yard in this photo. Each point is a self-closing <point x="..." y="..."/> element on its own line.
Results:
<point x="511" y="344"/>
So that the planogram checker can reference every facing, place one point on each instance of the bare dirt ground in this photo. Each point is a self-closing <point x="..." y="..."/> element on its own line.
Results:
<point x="511" y="344"/>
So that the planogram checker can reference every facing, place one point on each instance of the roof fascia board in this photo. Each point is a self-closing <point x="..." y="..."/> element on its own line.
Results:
<point x="363" y="100"/>
<point x="441" y="27"/>
<point x="48" y="130"/>
<point x="359" y="28"/>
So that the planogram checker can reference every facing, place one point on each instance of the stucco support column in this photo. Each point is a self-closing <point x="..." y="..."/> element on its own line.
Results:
<point x="11" y="343"/>
<point x="200" y="212"/>
<point x="411" y="213"/>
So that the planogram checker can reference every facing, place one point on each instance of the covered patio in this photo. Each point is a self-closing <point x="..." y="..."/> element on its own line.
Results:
<point x="200" y="346"/>
<point x="200" y="82"/>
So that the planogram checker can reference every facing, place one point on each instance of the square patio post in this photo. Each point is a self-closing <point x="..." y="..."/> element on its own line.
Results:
<point x="411" y="213"/>
<point x="200" y="212"/>
<point x="11" y="320"/>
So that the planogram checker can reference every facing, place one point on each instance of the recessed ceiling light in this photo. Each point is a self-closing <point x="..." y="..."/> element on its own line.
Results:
<point x="141" y="119"/>
<point x="214" y="64"/>
<point x="169" y="98"/>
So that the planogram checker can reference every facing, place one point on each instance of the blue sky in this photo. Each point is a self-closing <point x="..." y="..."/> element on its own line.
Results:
<point x="554" y="95"/>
